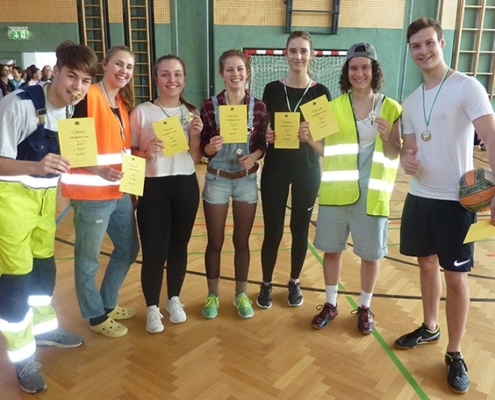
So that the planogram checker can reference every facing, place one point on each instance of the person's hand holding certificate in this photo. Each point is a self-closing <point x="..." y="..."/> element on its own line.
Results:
<point x="77" y="138"/>
<point x="134" y="169"/>
<point x="321" y="120"/>
<point x="233" y="123"/>
<point x="287" y="127"/>
<point x="170" y="131"/>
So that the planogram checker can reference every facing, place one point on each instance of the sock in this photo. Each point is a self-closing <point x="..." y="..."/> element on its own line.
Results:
<point x="267" y="283"/>
<point x="98" y="320"/>
<point x="365" y="299"/>
<point x="331" y="292"/>
<point x="294" y="280"/>
<point x="213" y="286"/>
<point x="240" y="287"/>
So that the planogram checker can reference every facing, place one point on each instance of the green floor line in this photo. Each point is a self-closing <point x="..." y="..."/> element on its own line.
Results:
<point x="403" y="370"/>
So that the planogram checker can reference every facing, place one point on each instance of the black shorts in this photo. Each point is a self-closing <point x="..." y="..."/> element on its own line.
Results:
<point x="431" y="226"/>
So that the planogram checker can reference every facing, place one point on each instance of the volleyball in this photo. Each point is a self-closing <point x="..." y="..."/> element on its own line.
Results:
<point x="476" y="189"/>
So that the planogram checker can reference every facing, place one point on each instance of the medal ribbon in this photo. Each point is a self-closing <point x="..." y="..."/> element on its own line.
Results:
<point x="121" y="122"/>
<point x="299" y="102"/>
<point x="427" y="120"/>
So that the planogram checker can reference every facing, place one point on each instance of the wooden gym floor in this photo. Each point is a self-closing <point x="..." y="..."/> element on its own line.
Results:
<point x="276" y="354"/>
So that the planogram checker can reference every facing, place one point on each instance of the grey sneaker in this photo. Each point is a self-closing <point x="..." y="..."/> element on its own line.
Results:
<point x="59" y="338"/>
<point x="30" y="378"/>
<point x="295" y="295"/>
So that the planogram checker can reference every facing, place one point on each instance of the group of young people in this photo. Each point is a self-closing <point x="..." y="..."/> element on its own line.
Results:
<point x="13" y="77"/>
<point x="359" y="168"/>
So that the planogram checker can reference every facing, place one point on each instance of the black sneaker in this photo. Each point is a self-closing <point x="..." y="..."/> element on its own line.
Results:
<point x="30" y="378"/>
<point x="365" y="319"/>
<point x="295" y="295"/>
<point x="264" y="299"/>
<point x="457" y="376"/>
<point x="327" y="313"/>
<point x="422" y="335"/>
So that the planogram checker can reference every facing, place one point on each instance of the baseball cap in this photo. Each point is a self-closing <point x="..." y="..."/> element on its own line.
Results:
<point x="361" y="50"/>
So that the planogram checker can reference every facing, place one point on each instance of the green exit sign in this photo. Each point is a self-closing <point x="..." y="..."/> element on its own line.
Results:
<point x="18" y="33"/>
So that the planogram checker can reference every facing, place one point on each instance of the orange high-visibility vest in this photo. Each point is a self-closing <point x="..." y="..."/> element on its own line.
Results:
<point x="112" y="138"/>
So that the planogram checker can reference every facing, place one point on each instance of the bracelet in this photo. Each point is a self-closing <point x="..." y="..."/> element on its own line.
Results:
<point x="389" y="139"/>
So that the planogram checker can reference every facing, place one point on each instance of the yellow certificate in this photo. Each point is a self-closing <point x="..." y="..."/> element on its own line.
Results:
<point x="77" y="138"/>
<point x="233" y="123"/>
<point x="480" y="230"/>
<point x="134" y="169"/>
<point x="173" y="136"/>
<point x="321" y="120"/>
<point x="286" y="130"/>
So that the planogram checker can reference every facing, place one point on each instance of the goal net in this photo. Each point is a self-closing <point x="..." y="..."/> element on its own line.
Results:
<point x="270" y="65"/>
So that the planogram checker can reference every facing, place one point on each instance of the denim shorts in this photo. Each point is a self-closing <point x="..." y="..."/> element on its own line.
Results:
<point x="219" y="190"/>
<point x="369" y="233"/>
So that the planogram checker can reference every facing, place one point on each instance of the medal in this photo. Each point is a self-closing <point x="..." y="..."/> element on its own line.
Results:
<point x="189" y="116"/>
<point x="372" y="115"/>
<point x="239" y="153"/>
<point x="426" y="136"/>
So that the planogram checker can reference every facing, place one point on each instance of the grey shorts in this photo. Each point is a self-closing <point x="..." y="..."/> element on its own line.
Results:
<point x="369" y="233"/>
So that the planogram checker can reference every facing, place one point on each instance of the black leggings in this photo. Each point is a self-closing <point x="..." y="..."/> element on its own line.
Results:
<point x="274" y="193"/>
<point x="166" y="215"/>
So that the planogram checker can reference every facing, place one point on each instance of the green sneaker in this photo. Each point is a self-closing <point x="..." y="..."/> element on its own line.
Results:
<point x="244" y="305"/>
<point x="210" y="309"/>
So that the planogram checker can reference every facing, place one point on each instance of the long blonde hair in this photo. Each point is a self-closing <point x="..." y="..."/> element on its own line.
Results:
<point x="127" y="92"/>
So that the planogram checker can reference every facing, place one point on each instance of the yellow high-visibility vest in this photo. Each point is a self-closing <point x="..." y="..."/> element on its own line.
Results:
<point x="339" y="184"/>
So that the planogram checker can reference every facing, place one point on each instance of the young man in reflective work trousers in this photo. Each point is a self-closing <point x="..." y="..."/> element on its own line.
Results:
<point x="30" y="165"/>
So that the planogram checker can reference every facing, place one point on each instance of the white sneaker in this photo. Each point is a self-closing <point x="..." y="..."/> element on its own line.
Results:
<point x="154" y="320"/>
<point x="176" y="310"/>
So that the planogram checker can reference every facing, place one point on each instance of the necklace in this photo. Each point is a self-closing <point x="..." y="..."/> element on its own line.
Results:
<point x="238" y="152"/>
<point x="116" y="112"/>
<point x="299" y="102"/>
<point x="183" y="120"/>
<point x="426" y="135"/>
<point x="107" y="96"/>
<point x="372" y="115"/>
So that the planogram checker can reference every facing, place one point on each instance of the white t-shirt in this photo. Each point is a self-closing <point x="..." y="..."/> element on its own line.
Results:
<point x="18" y="120"/>
<point x="367" y="132"/>
<point x="367" y="129"/>
<point x="141" y="120"/>
<point x="449" y="152"/>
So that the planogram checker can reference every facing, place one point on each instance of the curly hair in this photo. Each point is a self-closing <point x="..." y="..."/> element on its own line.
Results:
<point x="376" y="80"/>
